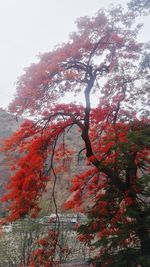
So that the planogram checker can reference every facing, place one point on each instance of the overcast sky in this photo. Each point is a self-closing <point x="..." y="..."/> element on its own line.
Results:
<point x="29" y="27"/>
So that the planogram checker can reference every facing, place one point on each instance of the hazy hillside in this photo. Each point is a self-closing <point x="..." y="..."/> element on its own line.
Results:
<point x="8" y="124"/>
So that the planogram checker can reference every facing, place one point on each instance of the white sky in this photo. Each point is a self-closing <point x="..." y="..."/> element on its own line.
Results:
<point x="28" y="27"/>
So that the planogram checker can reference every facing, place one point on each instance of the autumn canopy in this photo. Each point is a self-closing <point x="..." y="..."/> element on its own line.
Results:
<point x="102" y="58"/>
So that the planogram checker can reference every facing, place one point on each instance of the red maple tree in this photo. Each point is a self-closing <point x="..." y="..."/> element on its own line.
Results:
<point x="104" y="58"/>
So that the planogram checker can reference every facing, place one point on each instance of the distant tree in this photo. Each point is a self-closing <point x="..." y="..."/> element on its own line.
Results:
<point x="102" y="58"/>
<point x="17" y="242"/>
<point x="140" y="5"/>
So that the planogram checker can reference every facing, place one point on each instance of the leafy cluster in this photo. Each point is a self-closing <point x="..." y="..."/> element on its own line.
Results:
<point x="117" y="220"/>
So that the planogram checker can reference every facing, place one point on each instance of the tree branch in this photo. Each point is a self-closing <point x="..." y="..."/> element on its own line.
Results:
<point x="89" y="152"/>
